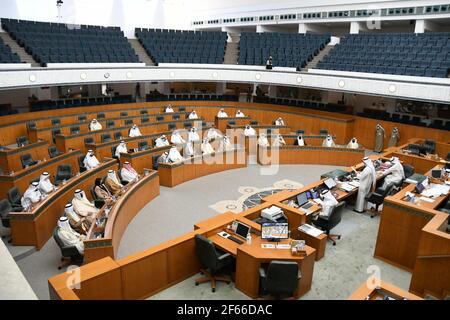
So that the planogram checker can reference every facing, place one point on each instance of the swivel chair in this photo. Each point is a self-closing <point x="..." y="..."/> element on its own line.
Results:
<point x="14" y="198"/>
<point x="328" y="223"/>
<point x="377" y="197"/>
<point x="5" y="209"/>
<point x="81" y="163"/>
<point x="143" y="145"/>
<point x="280" y="279"/>
<point x="22" y="141"/>
<point x="69" y="253"/>
<point x="27" y="160"/>
<point x="53" y="152"/>
<point x="63" y="172"/>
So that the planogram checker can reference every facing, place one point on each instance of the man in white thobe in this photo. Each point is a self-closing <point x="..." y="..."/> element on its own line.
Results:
<point x="174" y="155"/>
<point x="279" y="141"/>
<point x="367" y="181"/>
<point x="164" y="158"/>
<point x="353" y="144"/>
<point x="189" y="149"/>
<point x="395" y="174"/>
<point x="328" y="203"/>
<point x="279" y="122"/>
<point x="240" y="114"/>
<point x="249" y="131"/>
<point x="225" y="144"/>
<point x="193" y="135"/>
<point x="328" y="142"/>
<point x="161" y="142"/>
<point x="31" y="196"/>
<point x="222" y="113"/>
<point x="300" y="141"/>
<point x="169" y="109"/>
<point x="121" y="148"/>
<point x="193" y="115"/>
<point x="45" y="185"/>
<point x="83" y="207"/>
<point x="263" y="141"/>
<point x="176" y="138"/>
<point x="134" y="131"/>
<point x="90" y="160"/>
<point x="70" y="237"/>
<point x="95" y="125"/>
<point x="128" y="173"/>
<point x="213" y="134"/>
<point x="206" y="147"/>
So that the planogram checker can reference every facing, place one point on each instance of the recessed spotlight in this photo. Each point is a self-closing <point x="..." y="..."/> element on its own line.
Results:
<point x="392" y="88"/>
<point x="172" y="74"/>
<point x="83" y="76"/>
<point x="32" y="78"/>
<point x="258" y="76"/>
<point x="106" y="75"/>
<point x="215" y="74"/>
<point x="341" y="83"/>
<point x="299" y="79"/>
<point x="129" y="74"/>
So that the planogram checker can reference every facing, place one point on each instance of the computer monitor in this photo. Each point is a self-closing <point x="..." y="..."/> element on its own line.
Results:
<point x="242" y="230"/>
<point x="308" y="195"/>
<point x="419" y="188"/>
<point x="436" y="173"/>
<point x="302" y="199"/>
<point x="330" y="183"/>
<point x="275" y="231"/>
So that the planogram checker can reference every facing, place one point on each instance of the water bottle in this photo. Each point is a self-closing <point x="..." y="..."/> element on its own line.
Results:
<point x="249" y="238"/>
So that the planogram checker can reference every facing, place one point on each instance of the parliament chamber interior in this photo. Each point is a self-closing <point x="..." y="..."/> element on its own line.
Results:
<point x="187" y="150"/>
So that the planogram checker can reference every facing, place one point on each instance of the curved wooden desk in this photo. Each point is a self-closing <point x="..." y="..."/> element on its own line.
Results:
<point x="122" y="212"/>
<point x="10" y="158"/>
<point x="36" y="227"/>
<point x="309" y="155"/>
<point x="172" y="174"/>
<point x="221" y="123"/>
<point x="385" y="289"/>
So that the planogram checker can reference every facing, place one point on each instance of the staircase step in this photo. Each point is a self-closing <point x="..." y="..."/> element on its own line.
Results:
<point x="313" y="63"/>
<point x="141" y="52"/>
<point x="23" y="55"/>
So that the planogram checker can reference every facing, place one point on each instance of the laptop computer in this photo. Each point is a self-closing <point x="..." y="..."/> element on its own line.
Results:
<point x="303" y="203"/>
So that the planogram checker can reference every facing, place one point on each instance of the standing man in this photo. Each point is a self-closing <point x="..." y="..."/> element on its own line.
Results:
<point x="379" y="138"/>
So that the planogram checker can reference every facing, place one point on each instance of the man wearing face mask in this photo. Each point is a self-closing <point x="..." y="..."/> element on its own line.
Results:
<point x="213" y="134"/>
<point x="70" y="237"/>
<point x="101" y="191"/>
<point x="279" y="122"/>
<point x="193" y="115"/>
<point x="45" y="185"/>
<point x="31" y="197"/>
<point x="174" y="155"/>
<point x="90" y="160"/>
<point x="279" y="141"/>
<point x="367" y="181"/>
<point x="300" y="141"/>
<point x="176" y="138"/>
<point x="395" y="174"/>
<point x="225" y="144"/>
<point x="161" y="142"/>
<point x="222" y="113"/>
<point x="134" y="131"/>
<point x="169" y="109"/>
<point x="239" y="114"/>
<point x="112" y="183"/>
<point x="328" y="203"/>
<point x="77" y="222"/>
<point x="249" y="131"/>
<point x="121" y="148"/>
<point x="193" y="135"/>
<point x="206" y="147"/>
<point x="128" y="173"/>
<point x="353" y="144"/>
<point x="95" y="125"/>
<point x="263" y="141"/>
<point x="328" y="142"/>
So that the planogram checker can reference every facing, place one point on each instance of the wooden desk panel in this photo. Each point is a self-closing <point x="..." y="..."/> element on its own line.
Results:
<point x="221" y="123"/>
<point x="36" y="227"/>
<point x="22" y="179"/>
<point x="10" y="159"/>
<point x="366" y="293"/>
<point x="420" y="164"/>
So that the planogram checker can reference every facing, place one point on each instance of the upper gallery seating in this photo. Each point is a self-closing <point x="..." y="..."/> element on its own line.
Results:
<point x="286" y="49"/>
<point x="423" y="54"/>
<point x="176" y="46"/>
<point x="58" y="43"/>
<point x="6" y="55"/>
<point x="79" y="102"/>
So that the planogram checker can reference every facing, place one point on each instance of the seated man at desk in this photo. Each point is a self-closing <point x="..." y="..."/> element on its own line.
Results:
<point x="328" y="203"/>
<point x="193" y="115"/>
<point x="112" y="183"/>
<point x="263" y="141"/>
<point x="367" y="181"/>
<point x="249" y="131"/>
<point x="193" y="135"/>
<point x="128" y="173"/>
<point x="161" y="142"/>
<point x="279" y="122"/>
<point x="31" y="196"/>
<point x="353" y="144"/>
<point x="279" y="141"/>
<point x="213" y="134"/>
<point x="95" y="125"/>
<point x="169" y="109"/>
<point x="239" y="114"/>
<point x="222" y="113"/>
<point x="395" y="174"/>
<point x="300" y="141"/>
<point x="188" y="150"/>
<point x="70" y="237"/>
<point x="225" y="144"/>
<point x="134" y="131"/>
<point x="174" y="155"/>
<point x="90" y="160"/>
<point x="207" y="147"/>
<point x="121" y="148"/>
<point x="328" y="142"/>
<point x="84" y="209"/>
<point x="176" y="138"/>
<point x="45" y="185"/>
<point x="164" y="158"/>
<point x="102" y="192"/>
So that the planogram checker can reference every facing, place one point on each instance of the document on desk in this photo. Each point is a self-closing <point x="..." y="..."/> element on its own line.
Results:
<point x="435" y="190"/>
<point x="354" y="183"/>
<point x="309" y="229"/>
<point x="347" y="187"/>
<point x="426" y="199"/>
<point x="318" y="201"/>
<point x="267" y="245"/>
<point x="283" y="246"/>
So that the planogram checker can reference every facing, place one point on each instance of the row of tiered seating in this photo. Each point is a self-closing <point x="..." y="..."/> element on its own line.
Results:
<point x="314" y="105"/>
<point x="79" y="102"/>
<point x="286" y="49"/>
<point x="60" y="43"/>
<point x="6" y="55"/>
<point x="175" y="46"/>
<point x="425" y="54"/>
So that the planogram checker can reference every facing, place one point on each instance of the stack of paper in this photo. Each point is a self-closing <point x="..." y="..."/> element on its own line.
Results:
<point x="346" y="187"/>
<point x="309" y="229"/>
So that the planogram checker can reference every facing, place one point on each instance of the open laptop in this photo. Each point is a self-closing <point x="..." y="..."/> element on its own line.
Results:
<point x="303" y="203"/>
<point x="330" y="183"/>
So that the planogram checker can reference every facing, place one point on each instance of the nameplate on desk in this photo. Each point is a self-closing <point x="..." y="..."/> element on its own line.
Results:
<point x="283" y="246"/>
<point x="268" y="246"/>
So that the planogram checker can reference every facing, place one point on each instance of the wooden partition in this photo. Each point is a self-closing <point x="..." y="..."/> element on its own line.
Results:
<point x="143" y="159"/>
<point x="10" y="158"/>
<point x="221" y="123"/>
<point x="22" y="178"/>
<point x="34" y="228"/>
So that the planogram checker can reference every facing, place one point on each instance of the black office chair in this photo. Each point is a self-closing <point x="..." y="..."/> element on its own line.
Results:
<point x="300" y="131"/>
<point x="181" y="109"/>
<point x="109" y="123"/>
<point x="377" y="197"/>
<point x="414" y="148"/>
<point x="117" y="135"/>
<point x="81" y="163"/>
<point x="328" y="223"/>
<point x="100" y="115"/>
<point x="124" y="114"/>
<point x="53" y="152"/>
<point x="231" y="123"/>
<point x="5" y="209"/>
<point x="323" y="132"/>
<point x="63" y="172"/>
<point x="56" y="122"/>
<point x="27" y="160"/>
<point x="448" y="157"/>
<point x="128" y="122"/>
<point x="106" y="137"/>
<point x="82" y="117"/>
<point x="159" y="118"/>
<point x="88" y="140"/>
<point x="145" y="119"/>
<point x="429" y="146"/>
<point x="14" y="197"/>
<point x="31" y="125"/>
<point x="22" y="141"/>
<point x="445" y="208"/>
<point x="155" y="161"/>
<point x="143" y="112"/>
<point x="113" y="152"/>
<point x="54" y="133"/>
<point x="172" y="126"/>
<point x="143" y="145"/>
<point x="176" y="117"/>
<point x="280" y="279"/>
<point x="408" y="170"/>
<point x="187" y="124"/>
<point x="212" y="261"/>
<point x="74" y="130"/>
<point x="70" y="254"/>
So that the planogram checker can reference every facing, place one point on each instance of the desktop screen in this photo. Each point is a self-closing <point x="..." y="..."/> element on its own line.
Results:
<point x="242" y="230"/>
<point x="275" y="230"/>
<point x="302" y="199"/>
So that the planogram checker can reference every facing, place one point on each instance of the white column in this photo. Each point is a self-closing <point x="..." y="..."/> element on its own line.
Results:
<point x="272" y="91"/>
<point x="260" y="29"/>
<point x="420" y="26"/>
<point x="354" y="27"/>
<point x="302" y="28"/>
